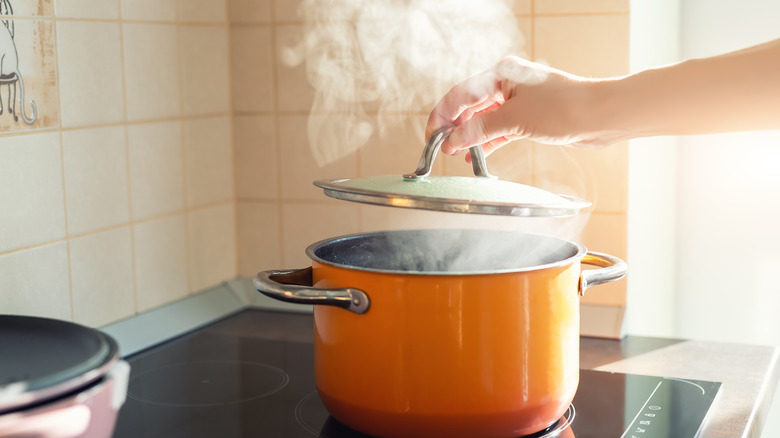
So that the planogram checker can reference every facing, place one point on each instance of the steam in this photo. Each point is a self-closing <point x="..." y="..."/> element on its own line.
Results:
<point x="447" y="251"/>
<point x="373" y="63"/>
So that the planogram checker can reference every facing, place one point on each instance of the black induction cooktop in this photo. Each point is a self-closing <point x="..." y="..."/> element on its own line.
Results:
<point x="251" y="375"/>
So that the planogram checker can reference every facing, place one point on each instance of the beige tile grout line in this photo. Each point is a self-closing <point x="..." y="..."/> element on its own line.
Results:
<point x="358" y="173"/>
<point x="232" y="139"/>
<point x="277" y="142"/>
<point x="186" y="211"/>
<point x="121" y="21"/>
<point x="60" y="128"/>
<point x="127" y="158"/>
<point x="273" y="22"/>
<point x="172" y="119"/>
<point x="183" y="145"/>
<point x="532" y="56"/>
<point x="62" y="163"/>
<point x="149" y="121"/>
<point x="532" y="33"/>
<point x="126" y="224"/>
<point x="227" y="23"/>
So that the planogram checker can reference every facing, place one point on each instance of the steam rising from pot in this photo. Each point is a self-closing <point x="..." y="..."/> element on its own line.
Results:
<point x="372" y="63"/>
<point x="445" y="251"/>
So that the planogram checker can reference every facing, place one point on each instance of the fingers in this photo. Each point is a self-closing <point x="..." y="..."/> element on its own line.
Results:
<point x="485" y="128"/>
<point x="489" y="147"/>
<point x="465" y="117"/>
<point x="484" y="108"/>
<point x="468" y="97"/>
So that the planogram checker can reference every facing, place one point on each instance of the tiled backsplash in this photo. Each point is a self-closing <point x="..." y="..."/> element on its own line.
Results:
<point x="170" y="151"/>
<point x="120" y="196"/>
<point x="280" y="212"/>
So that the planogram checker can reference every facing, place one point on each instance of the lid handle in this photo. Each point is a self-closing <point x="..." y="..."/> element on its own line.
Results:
<point x="478" y="162"/>
<point x="425" y="165"/>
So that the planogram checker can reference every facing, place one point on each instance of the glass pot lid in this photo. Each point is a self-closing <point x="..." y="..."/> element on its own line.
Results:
<point x="480" y="194"/>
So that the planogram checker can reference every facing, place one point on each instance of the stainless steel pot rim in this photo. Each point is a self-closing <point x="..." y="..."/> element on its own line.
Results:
<point x="578" y="251"/>
<point x="335" y="189"/>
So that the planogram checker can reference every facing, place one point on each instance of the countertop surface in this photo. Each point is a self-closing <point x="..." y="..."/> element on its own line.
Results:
<point x="749" y="374"/>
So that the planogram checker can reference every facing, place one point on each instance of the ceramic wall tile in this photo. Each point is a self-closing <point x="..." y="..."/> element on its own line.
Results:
<point x="288" y="11"/>
<point x="203" y="11"/>
<point x="524" y="47"/>
<point x="31" y="8"/>
<point x="31" y="195"/>
<point x="579" y="6"/>
<point x="35" y="282"/>
<point x="513" y="162"/>
<point x="381" y="218"/>
<point x="589" y="45"/>
<point x="205" y="70"/>
<point x="521" y="7"/>
<point x="609" y="168"/>
<point x="95" y="9"/>
<point x="260" y="242"/>
<point x="250" y="11"/>
<point x="252" y="69"/>
<point x="598" y="176"/>
<point x="101" y="267"/>
<point x="256" y="157"/>
<point x="90" y="72"/>
<point x="151" y="10"/>
<point x="156" y="171"/>
<point x="31" y="101"/>
<point x="215" y="168"/>
<point x="208" y="160"/>
<point x="212" y="246"/>
<point x="396" y="150"/>
<point x="300" y="168"/>
<point x="607" y="233"/>
<point x="96" y="181"/>
<point x="307" y="223"/>
<point x="295" y="92"/>
<point x="151" y="69"/>
<point x="160" y="251"/>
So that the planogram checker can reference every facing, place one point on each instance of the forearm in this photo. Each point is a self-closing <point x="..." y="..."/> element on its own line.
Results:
<point x="739" y="91"/>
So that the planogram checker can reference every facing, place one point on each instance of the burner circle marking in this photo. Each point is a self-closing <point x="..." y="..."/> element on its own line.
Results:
<point x="207" y="383"/>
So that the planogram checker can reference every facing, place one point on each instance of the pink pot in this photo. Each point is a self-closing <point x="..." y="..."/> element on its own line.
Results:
<point x="61" y="380"/>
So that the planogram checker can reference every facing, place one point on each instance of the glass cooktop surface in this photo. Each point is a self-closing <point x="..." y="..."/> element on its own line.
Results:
<point x="252" y="375"/>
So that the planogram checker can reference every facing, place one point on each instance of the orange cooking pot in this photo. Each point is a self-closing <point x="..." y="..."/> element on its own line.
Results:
<point x="451" y="333"/>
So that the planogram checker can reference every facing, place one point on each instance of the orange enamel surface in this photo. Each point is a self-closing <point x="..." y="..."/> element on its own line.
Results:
<point x="452" y="355"/>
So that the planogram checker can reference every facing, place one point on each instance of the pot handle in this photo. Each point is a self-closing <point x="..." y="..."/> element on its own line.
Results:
<point x="296" y="286"/>
<point x="612" y="269"/>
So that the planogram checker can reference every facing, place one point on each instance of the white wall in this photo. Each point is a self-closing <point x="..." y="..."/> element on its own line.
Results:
<point x="729" y="201"/>
<point x="729" y="197"/>
<point x="726" y="285"/>
<point x="652" y="217"/>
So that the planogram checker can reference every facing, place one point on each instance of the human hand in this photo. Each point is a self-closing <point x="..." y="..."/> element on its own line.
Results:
<point x="518" y="99"/>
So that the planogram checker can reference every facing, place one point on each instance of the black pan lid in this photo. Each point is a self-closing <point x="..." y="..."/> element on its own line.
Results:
<point x="43" y="358"/>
